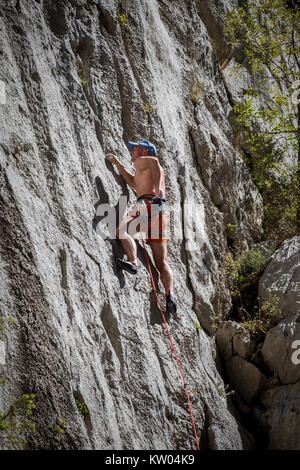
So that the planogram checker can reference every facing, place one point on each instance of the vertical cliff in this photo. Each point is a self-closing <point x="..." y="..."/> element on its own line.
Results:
<point x="81" y="79"/>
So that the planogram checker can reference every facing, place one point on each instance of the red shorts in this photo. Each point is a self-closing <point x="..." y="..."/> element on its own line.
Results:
<point x="155" y="225"/>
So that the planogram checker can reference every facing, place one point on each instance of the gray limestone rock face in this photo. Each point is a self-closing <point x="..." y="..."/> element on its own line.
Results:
<point x="224" y="338"/>
<point x="240" y="83"/>
<point x="80" y="83"/>
<point x="279" y="350"/>
<point x="282" y="277"/>
<point x="232" y="338"/>
<point x="278" y="416"/>
<point x="212" y="13"/>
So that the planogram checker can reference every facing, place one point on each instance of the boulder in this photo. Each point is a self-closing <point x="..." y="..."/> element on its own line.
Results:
<point x="282" y="277"/>
<point x="278" y="417"/>
<point x="224" y="336"/>
<point x="245" y="378"/>
<point x="232" y="338"/>
<point x="243" y="344"/>
<point x="279" y="350"/>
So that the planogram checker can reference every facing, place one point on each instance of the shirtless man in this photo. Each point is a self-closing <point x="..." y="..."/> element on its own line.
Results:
<point x="149" y="184"/>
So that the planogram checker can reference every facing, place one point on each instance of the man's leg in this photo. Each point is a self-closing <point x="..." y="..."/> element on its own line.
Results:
<point x="160" y="255"/>
<point x="127" y="241"/>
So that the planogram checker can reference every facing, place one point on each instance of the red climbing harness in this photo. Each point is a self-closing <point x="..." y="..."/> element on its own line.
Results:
<point x="176" y="357"/>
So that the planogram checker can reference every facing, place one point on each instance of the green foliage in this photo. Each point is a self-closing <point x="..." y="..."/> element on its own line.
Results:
<point x="122" y="20"/>
<point x="251" y="262"/>
<point x="3" y="325"/>
<point x="230" y="228"/>
<point x="218" y="319"/>
<point x="84" y="82"/>
<point x="58" y="429"/>
<point x="60" y="425"/>
<point x="198" y="326"/>
<point x="245" y="266"/>
<point x="4" y="382"/>
<point x="148" y="108"/>
<point x="14" y="423"/>
<point x="224" y="391"/>
<point x="268" y="33"/>
<point x="264" y="318"/>
<point x="243" y="271"/>
<point x="197" y="89"/>
<point x="82" y="408"/>
<point x="281" y="204"/>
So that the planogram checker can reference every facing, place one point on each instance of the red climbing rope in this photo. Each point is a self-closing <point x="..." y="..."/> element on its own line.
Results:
<point x="176" y="357"/>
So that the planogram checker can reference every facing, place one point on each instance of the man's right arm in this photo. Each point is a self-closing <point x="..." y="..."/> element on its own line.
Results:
<point x="127" y="176"/>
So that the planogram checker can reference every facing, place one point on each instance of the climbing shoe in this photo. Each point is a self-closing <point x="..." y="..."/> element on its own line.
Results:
<point x="170" y="304"/>
<point x="129" y="267"/>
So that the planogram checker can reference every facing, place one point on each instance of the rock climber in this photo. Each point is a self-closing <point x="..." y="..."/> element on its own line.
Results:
<point x="148" y="181"/>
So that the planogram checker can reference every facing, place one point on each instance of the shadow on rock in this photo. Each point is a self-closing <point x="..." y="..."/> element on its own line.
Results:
<point x="155" y="313"/>
<point x="106" y="233"/>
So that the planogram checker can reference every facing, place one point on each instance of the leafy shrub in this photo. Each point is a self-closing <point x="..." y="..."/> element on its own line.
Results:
<point x="265" y="317"/>
<point x="246" y="266"/>
<point x="224" y="391"/>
